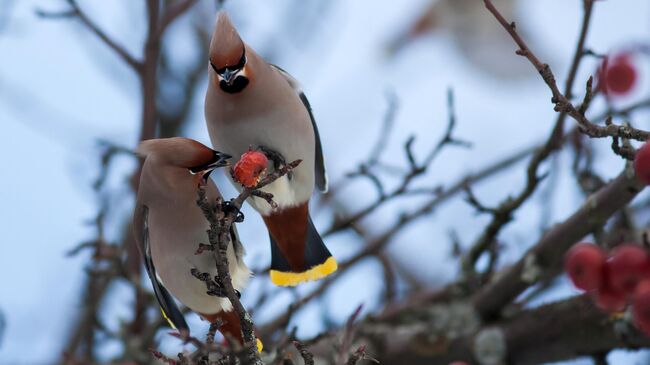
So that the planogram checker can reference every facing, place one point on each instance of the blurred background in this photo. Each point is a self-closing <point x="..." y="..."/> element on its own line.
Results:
<point x="376" y="74"/>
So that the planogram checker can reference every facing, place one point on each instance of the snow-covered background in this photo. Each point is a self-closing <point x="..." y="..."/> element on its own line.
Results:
<point x="61" y="90"/>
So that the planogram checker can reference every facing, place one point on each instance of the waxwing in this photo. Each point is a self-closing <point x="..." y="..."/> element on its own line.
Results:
<point x="169" y="226"/>
<point x="252" y="104"/>
<point x="473" y="30"/>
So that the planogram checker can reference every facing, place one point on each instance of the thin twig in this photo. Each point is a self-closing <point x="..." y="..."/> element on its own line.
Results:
<point x="415" y="170"/>
<point x="90" y="24"/>
<point x="360" y="354"/>
<point x="562" y="103"/>
<point x="378" y="243"/>
<point x="172" y="12"/>
<point x="502" y="215"/>
<point x="307" y="357"/>
<point x="221" y="220"/>
<point x="545" y="256"/>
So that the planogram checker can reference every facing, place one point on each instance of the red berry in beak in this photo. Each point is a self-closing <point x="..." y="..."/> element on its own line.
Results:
<point x="585" y="265"/>
<point x="248" y="170"/>
<point x="627" y="267"/>
<point x="642" y="163"/>
<point x="641" y="307"/>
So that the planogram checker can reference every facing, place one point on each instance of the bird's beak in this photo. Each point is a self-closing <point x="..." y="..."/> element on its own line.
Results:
<point x="228" y="76"/>
<point x="220" y="160"/>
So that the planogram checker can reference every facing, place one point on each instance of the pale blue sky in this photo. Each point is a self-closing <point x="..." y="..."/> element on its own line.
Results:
<point x="61" y="90"/>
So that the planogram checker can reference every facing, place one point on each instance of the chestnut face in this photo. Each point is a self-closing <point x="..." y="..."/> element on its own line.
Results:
<point x="232" y="79"/>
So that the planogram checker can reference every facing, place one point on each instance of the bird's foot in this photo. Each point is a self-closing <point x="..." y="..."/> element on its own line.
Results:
<point x="218" y="292"/>
<point x="229" y="207"/>
<point x="214" y="286"/>
<point x="217" y="289"/>
<point x="277" y="158"/>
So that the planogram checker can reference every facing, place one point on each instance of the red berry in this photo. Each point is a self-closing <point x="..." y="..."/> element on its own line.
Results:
<point x="610" y="300"/>
<point x="627" y="267"/>
<point x="641" y="307"/>
<point x="585" y="263"/>
<point x="642" y="163"/>
<point x="618" y="74"/>
<point x="248" y="170"/>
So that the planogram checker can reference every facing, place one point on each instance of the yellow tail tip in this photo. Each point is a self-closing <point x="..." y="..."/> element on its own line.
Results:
<point x="260" y="346"/>
<point x="282" y="278"/>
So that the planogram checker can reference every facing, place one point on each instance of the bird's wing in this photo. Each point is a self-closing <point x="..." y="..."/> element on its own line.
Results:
<point x="236" y="244"/>
<point x="167" y="304"/>
<point x="321" y="174"/>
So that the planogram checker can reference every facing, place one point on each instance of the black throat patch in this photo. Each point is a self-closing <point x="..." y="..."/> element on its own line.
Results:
<point x="238" y="84"/>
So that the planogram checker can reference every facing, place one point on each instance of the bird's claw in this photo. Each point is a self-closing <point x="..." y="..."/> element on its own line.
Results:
<point x="229" y="207"/>
<point x="217" y="289"/>
<point x="277" y="158"/>
<point x="220" y="293"/>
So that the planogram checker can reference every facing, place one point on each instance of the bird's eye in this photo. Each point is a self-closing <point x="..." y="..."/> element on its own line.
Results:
<point x="214" y="67"/>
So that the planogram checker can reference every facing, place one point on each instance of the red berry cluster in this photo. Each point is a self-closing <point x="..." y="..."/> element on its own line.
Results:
<point x="614" y="280"/>
<point x="617" y="74"/>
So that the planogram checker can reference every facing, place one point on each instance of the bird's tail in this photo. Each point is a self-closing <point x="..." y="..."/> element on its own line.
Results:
<point x="298" y="253"/>
<point x="230" y="326"/>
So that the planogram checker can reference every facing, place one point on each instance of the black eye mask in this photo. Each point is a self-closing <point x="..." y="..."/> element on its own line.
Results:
<point x="234" y="68"/>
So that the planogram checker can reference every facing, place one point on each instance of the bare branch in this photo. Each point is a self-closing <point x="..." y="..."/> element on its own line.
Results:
<point x="307" y="357"/>
<point x="94" y="28"/>
<point x="584" y="330"/>
<point x="360" y="354"/>
<point x="172" y="12"/>
<point x="503" y="214"/>
<point x="562" y="103"/>
<point x="546" y="255"/>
